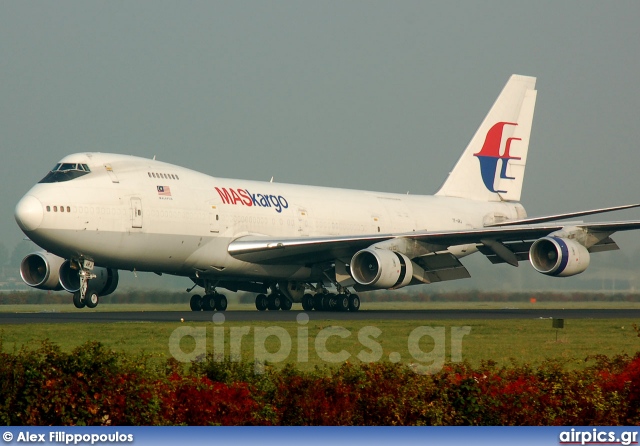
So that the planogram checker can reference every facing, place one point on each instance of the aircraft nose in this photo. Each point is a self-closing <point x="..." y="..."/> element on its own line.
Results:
<point x="29" y="213"/>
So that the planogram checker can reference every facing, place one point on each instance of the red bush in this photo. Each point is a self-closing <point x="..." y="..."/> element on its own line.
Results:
<point x="197" y="401"/>
<point x="94" y="386"/>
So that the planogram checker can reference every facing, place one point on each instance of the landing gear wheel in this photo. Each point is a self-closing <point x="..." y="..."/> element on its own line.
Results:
<point x="307" y="302"/>
<point x="91" y="300"/>
<point x="275" y="301"/>
<point x="354" y="302"/>
<point x="317" y="302"/>
<point x="221" y="302"/>
<point x="77" y="300"/>
<point x="326" y="302"/>
<point x="333" y="302"/>
<point x="195" y="303"/>
<point x="209" y="302"/>
<point x="343" y="302"/>
<point x="261" y="302"/>
<point x="285" y="304"/>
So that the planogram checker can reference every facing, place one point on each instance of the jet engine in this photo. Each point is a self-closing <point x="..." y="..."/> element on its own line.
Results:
<point x="41" y="270"/>
<point x="103" y="284"/>
<point x="555" y="256"/>
<point x="381" y="268"/>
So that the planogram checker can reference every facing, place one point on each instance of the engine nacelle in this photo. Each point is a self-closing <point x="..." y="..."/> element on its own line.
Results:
<point x="381" y="268"/>
<point x="105" y="282"/>
<point x="555" y="256"/>
<point x="41" y="270"/>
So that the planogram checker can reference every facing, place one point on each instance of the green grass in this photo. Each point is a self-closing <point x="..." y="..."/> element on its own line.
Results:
<point x="502" y="341"/>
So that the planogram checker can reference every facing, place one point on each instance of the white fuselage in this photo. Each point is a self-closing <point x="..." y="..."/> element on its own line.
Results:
<point x="136" y="214"/>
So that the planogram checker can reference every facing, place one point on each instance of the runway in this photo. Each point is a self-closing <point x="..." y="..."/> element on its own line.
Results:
<point x="83" y="316"/>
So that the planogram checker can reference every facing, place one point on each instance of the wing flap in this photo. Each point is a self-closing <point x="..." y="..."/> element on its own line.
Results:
<point x="520" y="250"/>
<point x="440" y="267"/>
<point x="604" y="245"/>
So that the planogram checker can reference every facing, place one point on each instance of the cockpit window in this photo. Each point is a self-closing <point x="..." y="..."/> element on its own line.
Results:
<point x="65" y="172"/>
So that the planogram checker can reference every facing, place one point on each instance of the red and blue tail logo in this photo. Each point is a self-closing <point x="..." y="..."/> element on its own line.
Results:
<point x="490" y="155"/>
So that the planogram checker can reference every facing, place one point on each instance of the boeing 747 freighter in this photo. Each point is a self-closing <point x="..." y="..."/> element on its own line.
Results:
<point x="96" y="213"/>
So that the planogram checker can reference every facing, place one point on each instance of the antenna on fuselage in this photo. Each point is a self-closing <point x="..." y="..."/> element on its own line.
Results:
<point x="271" y="180"/>
<point x="154" y="157"/>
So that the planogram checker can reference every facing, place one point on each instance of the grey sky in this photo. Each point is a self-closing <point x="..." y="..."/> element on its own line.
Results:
<point x="358" y="94"/>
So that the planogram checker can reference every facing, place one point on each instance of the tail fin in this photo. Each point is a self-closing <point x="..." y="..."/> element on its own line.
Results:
<point x="492" y="166"/>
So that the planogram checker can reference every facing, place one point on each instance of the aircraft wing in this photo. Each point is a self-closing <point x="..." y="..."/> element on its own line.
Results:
<point x="548" y="218"/>
<point x="492" y="241"/>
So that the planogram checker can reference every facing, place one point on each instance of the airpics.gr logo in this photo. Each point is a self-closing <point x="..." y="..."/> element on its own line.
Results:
<point x="490" y="155"/>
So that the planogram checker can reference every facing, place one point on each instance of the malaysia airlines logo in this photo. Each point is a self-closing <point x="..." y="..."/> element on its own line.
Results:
<point x="490" y="155"/>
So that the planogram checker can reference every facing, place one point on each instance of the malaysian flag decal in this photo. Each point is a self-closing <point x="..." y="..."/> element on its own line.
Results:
<point x="164" y="191"/>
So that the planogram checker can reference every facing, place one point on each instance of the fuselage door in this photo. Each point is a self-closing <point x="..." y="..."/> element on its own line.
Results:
<point x="303" y="222"/>
<point x="214" y="219"/>
<point x="136" y="212"/>
<point x="376" y="222"/>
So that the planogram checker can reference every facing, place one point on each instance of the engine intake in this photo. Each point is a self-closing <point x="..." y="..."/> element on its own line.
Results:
<point x="555" y="256"/>
<point x="41" y="270"/>
<point x="381" y="268"/>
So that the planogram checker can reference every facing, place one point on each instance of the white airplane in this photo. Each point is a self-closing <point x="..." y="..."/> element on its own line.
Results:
<point x="96" y="213"/>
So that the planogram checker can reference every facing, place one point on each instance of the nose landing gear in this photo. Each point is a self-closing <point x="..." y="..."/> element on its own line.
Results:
<point x="84" y="297"/>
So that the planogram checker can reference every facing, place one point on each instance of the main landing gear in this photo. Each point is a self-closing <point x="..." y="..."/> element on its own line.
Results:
<point x="273" y="302"/>
<point x="319" y="302"/>
<point x="209" y="302"/>
<point x="282" y="295"/>
<point x="331" y="302"/>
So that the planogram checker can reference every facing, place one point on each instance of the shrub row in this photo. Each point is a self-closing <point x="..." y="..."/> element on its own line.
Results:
<point x="95" y="386"/>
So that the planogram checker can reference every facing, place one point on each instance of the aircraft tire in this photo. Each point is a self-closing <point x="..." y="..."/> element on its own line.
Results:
<point x="343" y="302"/>
<point x="209" y="302"/>
<point x="221" y="302"/>
<point x="317" y="302"/>
<point x="354" y="302"/>
<point x="285" y="304"/>
<point x="275" y="301"/>
<point x="195" y="303"/>
<point x="77" y="301"/>
<point x="307" y="302"/>
<point x="91" y="300"/>
<point x="326" y="302"/>
<point x="261" y="302"/>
